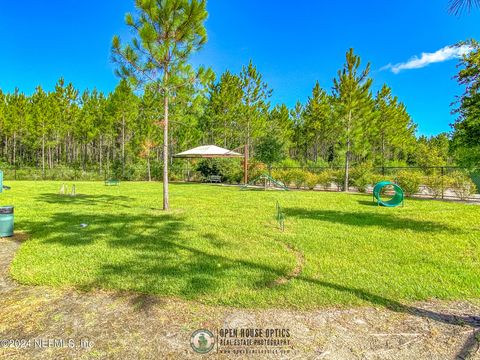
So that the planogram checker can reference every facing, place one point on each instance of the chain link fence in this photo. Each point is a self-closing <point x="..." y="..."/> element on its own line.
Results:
<point x="439" y="182"/>
<point x="59" y="173"/>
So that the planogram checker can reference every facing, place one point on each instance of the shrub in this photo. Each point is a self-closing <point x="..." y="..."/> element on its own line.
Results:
<point x="409" y="181"/>
<point x="311" y="180"/>
<point x="320" y="163"/>
<point x="361" y="176"/>
<point x="436" y="184"/>
<point x="208" y="167"/>
<point x="156" y="170"/>
<point x="288" y="163"/>
<point x="461" y="184"/>
<point x="279" y="175"/>
<point x="285" y="176"/>
<point x="255" y="168"/>
<point x="338" y="178"/>
<point x="376" y="178"/>
<point x="298" y="177"/>
<point x="325" y="177"/>
<point x="362" y="183"/>
<point x="229" y="169"/>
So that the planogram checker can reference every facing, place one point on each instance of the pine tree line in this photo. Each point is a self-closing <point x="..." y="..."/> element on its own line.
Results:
<point x="92" y="130"/>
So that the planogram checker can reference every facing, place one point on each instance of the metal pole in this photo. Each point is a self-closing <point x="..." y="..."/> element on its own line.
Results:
<point x="443" y="174"/>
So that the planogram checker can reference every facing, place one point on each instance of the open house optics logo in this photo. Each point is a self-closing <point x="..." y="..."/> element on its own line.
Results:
<point x="202" y="341"/>
<point x="242" y="341"/>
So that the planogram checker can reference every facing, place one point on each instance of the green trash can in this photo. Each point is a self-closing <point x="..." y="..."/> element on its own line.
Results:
<point x="6" y="221"/>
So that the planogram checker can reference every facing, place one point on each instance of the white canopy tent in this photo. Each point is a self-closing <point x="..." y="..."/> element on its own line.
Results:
<point x="213" y="151"/>
<point x="208" y="151"/>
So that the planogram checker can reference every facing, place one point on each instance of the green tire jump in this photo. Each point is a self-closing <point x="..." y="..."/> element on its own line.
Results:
<point x="396" y="200"/>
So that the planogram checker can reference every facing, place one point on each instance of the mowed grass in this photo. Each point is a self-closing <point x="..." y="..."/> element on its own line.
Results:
<point x="220" y="245"/>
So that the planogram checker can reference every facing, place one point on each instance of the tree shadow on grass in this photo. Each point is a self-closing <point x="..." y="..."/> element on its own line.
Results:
<point x="367" y="203"/>
<point x="82" y="199"/>
<point x="119" y="201"/>
<point x="155" y="256"/>
<point x="469" y="347"/>
<point x="148" y="253"/>
<point x="205" y="273"/>
<point x="368" y="219"/>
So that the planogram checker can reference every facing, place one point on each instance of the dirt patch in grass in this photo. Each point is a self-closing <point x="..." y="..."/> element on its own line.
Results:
<point x="121" y="325"/>
<point x="297" y="270"/>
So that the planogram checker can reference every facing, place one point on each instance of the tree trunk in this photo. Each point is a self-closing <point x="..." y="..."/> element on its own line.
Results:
<point x="347" y="153"/>
<point x="383" y="150"/>
<point x="43" y="156"/>
<point x="347" y="166"/>
<point x="107" y="171"/>
<point x="148" y="169"/>
<point x="84" y="156"/>
<point x="225" y="134"/>
<point x="123" y="145"/>
<point x="5" y="149"/>
<point x="165" y="150"/>
<point x="100" y="155"/>
<point x="14" y="149"/>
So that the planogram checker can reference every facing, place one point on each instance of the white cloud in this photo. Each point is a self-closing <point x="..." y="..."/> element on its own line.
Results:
<point x="416" y="62"/>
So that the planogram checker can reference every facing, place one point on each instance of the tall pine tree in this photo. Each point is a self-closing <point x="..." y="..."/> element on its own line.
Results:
<point x="165" y="35"/>
<point x="353" y="106"/>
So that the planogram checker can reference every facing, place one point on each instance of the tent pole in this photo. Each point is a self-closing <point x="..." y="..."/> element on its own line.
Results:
<point x="245" y="165"/>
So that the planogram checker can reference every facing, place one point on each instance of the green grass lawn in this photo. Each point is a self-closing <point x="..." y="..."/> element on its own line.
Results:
<point x="220" y="245"/>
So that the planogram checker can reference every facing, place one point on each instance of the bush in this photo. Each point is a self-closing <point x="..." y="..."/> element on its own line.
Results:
<point x="436" y="184"/>
<point x="279" y="175"/>
<point x="285" y="176"/>
<point x="255" y="168"/>
<point x="298" y="176"/>
<point x="361" y="177"/>
<point x="376" y="178"/>
<point x="288" y="163"/>
<point x="229" y="169"/>
<point x="461" y="184"/>
<point x="320" y="163"/>
<point x="338" y="178"/>
<point x="409" y="181"/>
<point x="289" y="176"/>
<point x="311" y="180"/>
<point x="324" y="178"/>
<point x="208" y="167"/>
<point x="362" y="183"/>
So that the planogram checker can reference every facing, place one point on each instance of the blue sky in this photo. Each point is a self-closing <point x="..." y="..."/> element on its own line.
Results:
<point x="292" y="43"/>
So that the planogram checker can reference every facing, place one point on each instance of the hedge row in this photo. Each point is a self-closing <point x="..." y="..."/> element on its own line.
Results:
<point x="360" y="178"/>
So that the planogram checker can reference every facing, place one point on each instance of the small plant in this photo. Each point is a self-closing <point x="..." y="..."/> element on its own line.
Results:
<point x="311" y="180"/>
<point x="338" y="177"/>
<point x="255" y="168"/>
<point x="361" y="176"/>
<point x="324" y="178"/>
<point x="298" y="177"/>
<point x="278" y="174"/>
<point x="461" y="184"/>
<point x="283" y="176"/>
<point x="362" y="182"/>
<point x="437" y="184"/>
<point x="376" y="178"/>
<point x="409" y="181"/>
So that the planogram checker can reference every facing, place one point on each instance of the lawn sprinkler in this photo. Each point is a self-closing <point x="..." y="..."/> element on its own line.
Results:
<point x="6" y="214"/>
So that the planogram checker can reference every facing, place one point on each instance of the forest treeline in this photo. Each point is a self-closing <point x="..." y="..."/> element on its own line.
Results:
<point x="340" y="124"/>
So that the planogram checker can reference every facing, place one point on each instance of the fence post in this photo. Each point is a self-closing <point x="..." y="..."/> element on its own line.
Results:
<point x="443" y="174"/>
